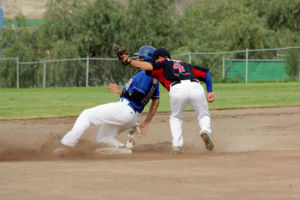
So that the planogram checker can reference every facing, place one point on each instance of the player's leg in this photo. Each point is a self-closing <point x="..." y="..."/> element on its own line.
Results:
<point x="178" y="101"/>
<point x="107" y="135"/>
<point x="199" y="104"/>
<point x="118" y="113"/>
<point x="113" y="113"/>
<point x="81" y="125"/>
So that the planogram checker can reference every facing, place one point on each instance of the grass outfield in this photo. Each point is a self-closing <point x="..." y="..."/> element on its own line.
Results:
<point x="54" y="102"/>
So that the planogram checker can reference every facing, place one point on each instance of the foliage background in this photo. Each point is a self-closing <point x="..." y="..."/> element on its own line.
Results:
<point x="81" y="28"/>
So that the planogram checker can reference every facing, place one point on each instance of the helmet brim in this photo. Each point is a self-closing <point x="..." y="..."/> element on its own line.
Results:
<point x="137" y="54"/>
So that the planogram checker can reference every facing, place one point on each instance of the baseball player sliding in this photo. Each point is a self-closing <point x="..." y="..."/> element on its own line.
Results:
<point x="182" y="81"/>
<point x="117" y="116"/>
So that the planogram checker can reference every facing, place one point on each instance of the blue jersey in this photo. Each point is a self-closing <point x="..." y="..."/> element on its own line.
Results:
<point x="141" y="84"/>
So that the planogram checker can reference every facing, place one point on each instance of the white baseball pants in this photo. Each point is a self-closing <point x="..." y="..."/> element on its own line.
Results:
<point x="112" y="117"/>
<point x="181" y="94"/>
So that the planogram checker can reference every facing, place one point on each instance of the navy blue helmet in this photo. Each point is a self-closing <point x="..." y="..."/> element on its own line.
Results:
<point x="161" y="52"/>
<point x="146" y="52"/>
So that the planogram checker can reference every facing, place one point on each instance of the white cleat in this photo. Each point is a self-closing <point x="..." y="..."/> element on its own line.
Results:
<point x="130" y="144"/>
<point x="113" y="151"/>
<point x="207" y="141"/>
<point x="177" y="150"/>
<point x="62" y="150"/>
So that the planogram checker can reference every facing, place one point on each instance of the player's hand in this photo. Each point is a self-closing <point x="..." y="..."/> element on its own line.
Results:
<point x="114" y="88"/>
<point x="210" y="97"/>
<point x="144" y="127"/>
<point x="125" y="58"/>
<point x="121" y="51"/>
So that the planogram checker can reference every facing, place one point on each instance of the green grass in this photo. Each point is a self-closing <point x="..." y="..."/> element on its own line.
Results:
<point x="256" y="95"/>
<point x="54" y="102"/>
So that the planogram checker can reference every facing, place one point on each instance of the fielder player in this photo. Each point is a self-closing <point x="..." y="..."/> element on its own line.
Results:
<point x="117" y="116"/>
<point x="182" y="81"/>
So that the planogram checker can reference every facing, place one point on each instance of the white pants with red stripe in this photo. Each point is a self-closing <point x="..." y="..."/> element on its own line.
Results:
<point x="113" y="117"/>
<point x="181" y="94"/>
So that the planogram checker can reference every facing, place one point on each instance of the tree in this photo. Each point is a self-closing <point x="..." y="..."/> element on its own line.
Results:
<point x="151" y="22"/>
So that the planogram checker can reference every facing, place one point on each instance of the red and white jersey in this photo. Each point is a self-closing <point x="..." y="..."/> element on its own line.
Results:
<point x="168" y="71"/>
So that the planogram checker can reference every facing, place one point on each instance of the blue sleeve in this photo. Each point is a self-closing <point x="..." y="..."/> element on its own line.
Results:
<point x="208" y="82"/>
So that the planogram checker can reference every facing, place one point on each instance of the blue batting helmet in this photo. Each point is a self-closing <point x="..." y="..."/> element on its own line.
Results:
<point x="146" y="52"/>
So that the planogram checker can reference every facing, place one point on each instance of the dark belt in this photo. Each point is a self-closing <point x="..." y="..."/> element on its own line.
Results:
<point x="135" y="110"/>
<point x="179" y="81"/>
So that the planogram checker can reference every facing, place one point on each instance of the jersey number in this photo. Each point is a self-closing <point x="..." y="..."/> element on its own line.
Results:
<point x="128" y="84"/>
<point x="178" y="66"/>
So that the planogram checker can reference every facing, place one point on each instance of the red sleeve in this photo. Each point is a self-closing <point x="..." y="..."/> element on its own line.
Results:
<point x="198" y="73"/>
<point x="156" y="73"/>
<point x="158" y="64"/>
<point x="159" y="75"/>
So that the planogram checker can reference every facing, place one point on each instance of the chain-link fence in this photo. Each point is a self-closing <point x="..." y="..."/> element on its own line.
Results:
<point x="62" y="73"/>
<point x="256" y="64"/>
<point x="9" y="72"/>
<point x="243" y="64"/>
<point x="258" y="70"/>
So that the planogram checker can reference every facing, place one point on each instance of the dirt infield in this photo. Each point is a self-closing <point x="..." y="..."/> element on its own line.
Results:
<point x="256" y="156"/>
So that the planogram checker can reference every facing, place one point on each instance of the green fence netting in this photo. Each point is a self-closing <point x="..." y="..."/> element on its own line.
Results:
<point x="258" y="70"/>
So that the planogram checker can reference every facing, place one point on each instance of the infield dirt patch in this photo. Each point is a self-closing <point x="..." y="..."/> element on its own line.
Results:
<point x="256" y="156"/>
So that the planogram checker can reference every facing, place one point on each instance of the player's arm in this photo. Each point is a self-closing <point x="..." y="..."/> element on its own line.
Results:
<point x="208" y="83"/>
<point x="145" y="125"/>
<point x="138" y="64"/>
<point x="203" y="74"/>
<point x="114" y="88"/>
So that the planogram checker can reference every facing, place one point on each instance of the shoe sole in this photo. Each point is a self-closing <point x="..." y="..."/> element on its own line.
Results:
<point x="61" y="151"/>
<point x="113" y="151"/>
<point x="207" y="141"/>
<point x="177" y="151"/>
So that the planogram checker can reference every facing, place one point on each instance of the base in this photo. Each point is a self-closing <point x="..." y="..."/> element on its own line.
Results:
<point x="113" y="151"/>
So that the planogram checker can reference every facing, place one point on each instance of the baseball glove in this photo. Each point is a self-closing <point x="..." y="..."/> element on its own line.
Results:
<point x="135" y="131"/>
<point x="120" y="51"/>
